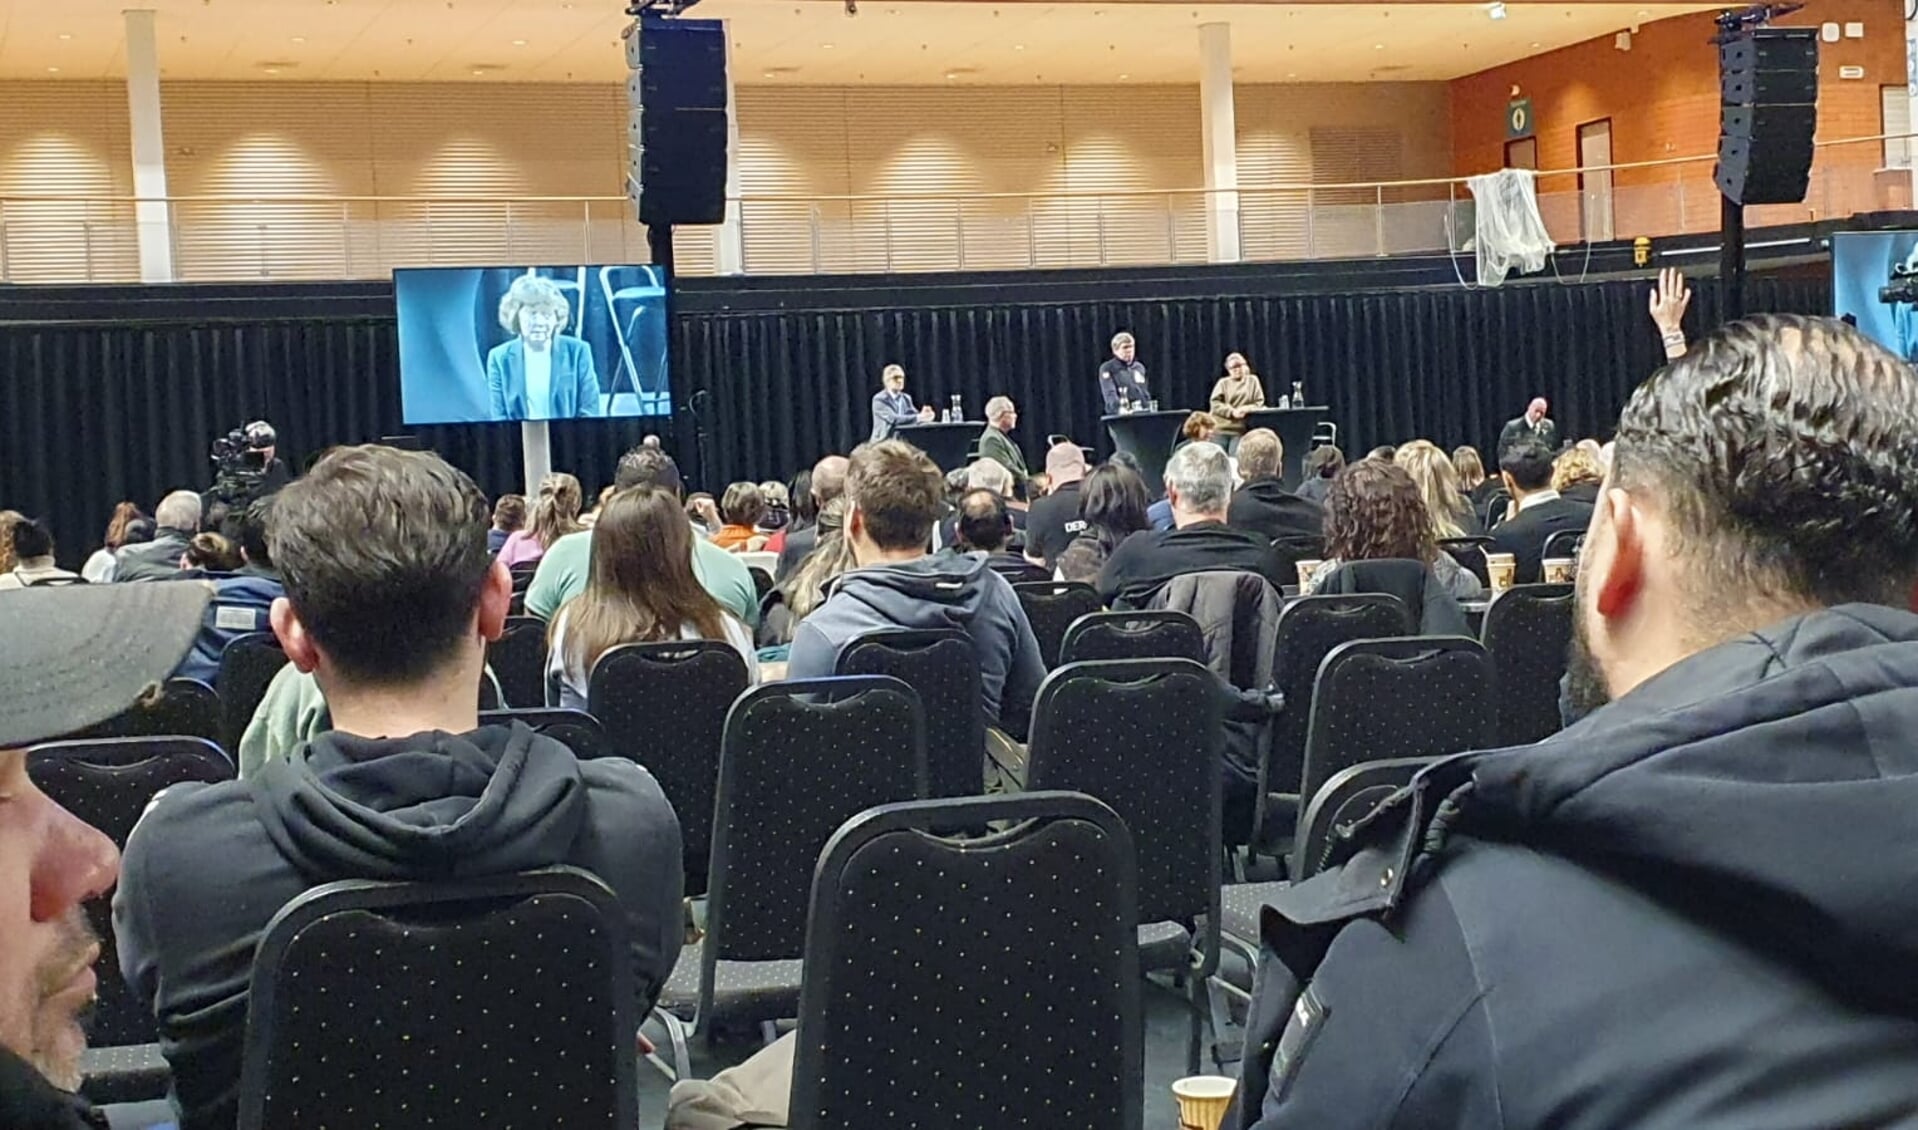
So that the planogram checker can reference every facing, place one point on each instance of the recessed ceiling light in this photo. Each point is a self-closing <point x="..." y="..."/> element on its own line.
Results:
<point x="1534" y="44"/>
<point x="66" y="35"/>
<point x="1643" y="14"/>
<point x="767" y="74"/>
<point x="1378" y="47"/>
<point x="1122" y="78"/>
<point x="1018" y="47"/>
<point x="519" y="43"/>
<point x="299" y="39"/>
<point x="825" y="47"/>
<point x="53" y="70"/>
<point x="271" y="70"/>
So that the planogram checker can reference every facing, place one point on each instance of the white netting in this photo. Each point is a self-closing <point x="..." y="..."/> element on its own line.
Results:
<point x="1510" y="232"/>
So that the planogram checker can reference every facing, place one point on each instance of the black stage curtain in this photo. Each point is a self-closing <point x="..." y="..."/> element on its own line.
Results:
<point x="93" y="413"/>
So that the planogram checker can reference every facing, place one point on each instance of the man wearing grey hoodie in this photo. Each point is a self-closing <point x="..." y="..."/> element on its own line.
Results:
<point x="391" y="597"/>
<point x="894" y="491"/>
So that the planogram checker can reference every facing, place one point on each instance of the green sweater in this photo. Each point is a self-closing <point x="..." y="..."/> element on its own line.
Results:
<point x="995" y="444"/>
<point x="562" y="576"/>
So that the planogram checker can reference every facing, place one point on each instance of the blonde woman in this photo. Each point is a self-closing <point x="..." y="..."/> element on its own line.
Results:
<point x="555" y="514"/>
<point x="1236" y="395"/>
<point x="1439" y="487"/>
<point x="541" y="374"/>
<point x="1577" y="474"/>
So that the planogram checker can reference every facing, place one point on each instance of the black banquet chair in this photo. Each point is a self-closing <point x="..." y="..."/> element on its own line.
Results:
<point x="504" y="1001"/>
<point x="574" y="729"/>
<point x="941" y="666"/>
<point x="1528" y="631"/>
<point x="247" y="667"/>
<point x="1158" y="634"/>
<point x="107" y="783"/>
<point x="799" y="759"/>
<point x="1146" y="737"/>
<point x="1051" y="607"/>
<point x="664" y="706"/>
<point x="182" y="708"/>
<point x="1563" y="543"/>
<point x="518" y="660"/>
<point x="1036" y="921"/>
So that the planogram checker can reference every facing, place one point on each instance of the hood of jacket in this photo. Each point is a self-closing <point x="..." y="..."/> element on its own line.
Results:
<point x="943" y="590"/>
<point x="497" y="800"/>
<point x="1767" y="787"/>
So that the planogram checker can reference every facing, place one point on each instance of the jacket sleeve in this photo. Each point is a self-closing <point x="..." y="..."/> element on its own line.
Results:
<point x="496" y="384"/>
<point x="812" y="655"/>
<point x="1109" y="392"/>
<point x="585" y="384"/>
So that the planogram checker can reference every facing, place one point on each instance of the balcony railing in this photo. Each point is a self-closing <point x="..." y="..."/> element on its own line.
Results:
<point x="63" y="239"/>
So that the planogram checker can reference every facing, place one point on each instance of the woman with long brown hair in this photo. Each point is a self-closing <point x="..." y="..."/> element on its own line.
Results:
<point x="99" y="567"/>
<point x="1374" y="512"/>
<point x="555" y="514"/>
<point x="640" y="588"/>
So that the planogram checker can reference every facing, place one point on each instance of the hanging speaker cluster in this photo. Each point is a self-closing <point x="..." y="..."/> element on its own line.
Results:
<point x="677" y="120"/>
<point x="1768" y="80"/>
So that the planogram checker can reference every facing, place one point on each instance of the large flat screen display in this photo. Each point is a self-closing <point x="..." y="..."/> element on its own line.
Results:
<point x="532" y="343"/>
<point x="1874" y="278"/>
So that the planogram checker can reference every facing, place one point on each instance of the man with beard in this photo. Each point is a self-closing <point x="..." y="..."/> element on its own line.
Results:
<point x="73" y="657"/>
<point x="1693" y="907"/>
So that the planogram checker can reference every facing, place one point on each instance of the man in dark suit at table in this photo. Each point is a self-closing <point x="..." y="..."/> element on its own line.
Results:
<point x="1535" y="424"/>
<point x="1122" y="379"/>
<point x="541" y="374"/>
<point x="892" y="409"/>
<point x="1538" y="513"/>
<point x="1263" y="505"/>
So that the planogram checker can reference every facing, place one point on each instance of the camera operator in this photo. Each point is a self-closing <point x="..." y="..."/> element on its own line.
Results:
<point x="1900" y="292"/>
<point x="248" y="466"/>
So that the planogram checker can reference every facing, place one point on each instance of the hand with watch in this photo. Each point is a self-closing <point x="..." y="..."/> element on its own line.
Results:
<point x="1668" y="303"/>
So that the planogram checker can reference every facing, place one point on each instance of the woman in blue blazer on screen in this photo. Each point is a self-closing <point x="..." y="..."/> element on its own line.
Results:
<point x="541" y="374"/>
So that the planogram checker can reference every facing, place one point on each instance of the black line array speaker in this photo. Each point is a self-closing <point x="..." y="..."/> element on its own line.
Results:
<point x="677" y="120"/>
<point x="1768" y="82"/>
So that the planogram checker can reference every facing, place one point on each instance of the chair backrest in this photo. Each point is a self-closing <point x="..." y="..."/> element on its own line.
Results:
<point x="1495" y="505"/>
<point x="108" y="782"/>
<point x="1309" y="628"/>
<point x="247" y="667"/>
<point x="1423" y="696"/>
<point x="1563" y="543"/>
<point x="1528" y="630"/>
<point x="664" y="705"/>
<point x="763" y="582"/>
<point x="523" y="574"/>
<point x="1156" y="634"/>
<point x="767" y="563"/>
<point x="1347" y="797"/>
<point x="183" y="708"/>
<point x="574" y="729"/>
<point x="1146" y="737"/>
<point x="799" y="759"/>
<point x="1036" y="920"/>
<point x="942" y="667"/>
<point x="1051" y="607"/>
<point x="511" y="998"/>
<point x="518" y="658"/>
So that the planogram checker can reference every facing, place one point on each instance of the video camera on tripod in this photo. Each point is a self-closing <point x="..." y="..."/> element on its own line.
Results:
<point x="1902" y="286"/>
<point x="240" y="460"/>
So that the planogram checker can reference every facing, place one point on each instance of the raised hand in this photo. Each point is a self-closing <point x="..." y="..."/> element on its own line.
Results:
<point x="1669" y="300"/>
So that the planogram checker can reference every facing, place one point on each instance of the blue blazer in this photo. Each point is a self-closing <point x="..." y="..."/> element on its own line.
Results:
<point x="575" y="385"/>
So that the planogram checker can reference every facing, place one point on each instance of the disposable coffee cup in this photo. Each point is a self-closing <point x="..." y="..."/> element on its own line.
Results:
<point x="1306" y="569"/>
<point x="1560" y="570"/>
<point x="1203" y="1100"/>
<point x="1503" y="568"/>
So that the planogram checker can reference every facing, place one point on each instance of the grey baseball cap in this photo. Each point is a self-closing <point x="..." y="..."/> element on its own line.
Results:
<point x="74" y="655"/>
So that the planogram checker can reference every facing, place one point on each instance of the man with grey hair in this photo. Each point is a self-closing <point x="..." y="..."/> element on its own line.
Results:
<point x="996" y="443"/>
<point x="177" y="519"/>
<point x="1122" y="379"/>
<point x="1198" y="484"/>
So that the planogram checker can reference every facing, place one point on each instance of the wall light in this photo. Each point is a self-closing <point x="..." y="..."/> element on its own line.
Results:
<point x="1496" y="9"/>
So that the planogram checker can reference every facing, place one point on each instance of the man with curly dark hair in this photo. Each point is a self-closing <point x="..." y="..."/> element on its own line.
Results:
<point x="1692" y="908"/>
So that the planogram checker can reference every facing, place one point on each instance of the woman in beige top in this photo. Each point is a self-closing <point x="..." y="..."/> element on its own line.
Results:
<point x="1237" y="393"/>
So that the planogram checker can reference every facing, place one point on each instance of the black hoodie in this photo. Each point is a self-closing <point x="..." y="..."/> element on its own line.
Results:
<point x="209" y="865"/>
<point x="1693" y="909"/>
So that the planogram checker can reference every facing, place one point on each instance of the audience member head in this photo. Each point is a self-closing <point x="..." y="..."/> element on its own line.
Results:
<point x="1438" y="486"/>
<point x="1324" y="461"/>
<point x="649" y="467"/>
<point x="555" y="509"/>
<point x="1113" y="504"/>
<point x="211" y="552"/>
<point x="391" y="594"/>
<point x="1383" y="453"/>
<point x="831" y="556"/>
<point x="650" y="440"/>
<point x="1198" y="482"/>
<point x="894" y="492"/>
<point x="958" y="481"/>
<point x="178" y="511"/>
<point x="984" y="522"/>
<point x="509" y="513"/>
<point x="1771" y="470"/>
<point x="742" y="505"/>
<point x="123" y="513"/>
<point x="1470" y="467"/>
<point x="216" y="517"/>
<point x="1001" y="413"/>
<point x="703" y="511"/>
<point x="774" y="492"/>
<point x="1130" y="462"/>
<point x="829" y="479"/>
<point x="140" y="531"/>
<point x="640" y="584"/>
<point x="1526" y="467"/>
<point x="1066" y="463"/>
<point x="1038" y="486"/>
<point x="250" y="528"/>
<point x="989" y="474"/>
<point x="805" y="506"/>
<point x="1373" y="511"/>
<point x="31" y="539"/>
<point x="1199" y="427"/>
<point x="1575" y="465"/>
<point x="1261" y="456"/>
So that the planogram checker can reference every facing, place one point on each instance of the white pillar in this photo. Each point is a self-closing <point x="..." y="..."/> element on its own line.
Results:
<point x="731" y="258"/>
<point x="150" y="216"/>
<point x="1219" y="128"/>
<point x="536" y="455"/>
